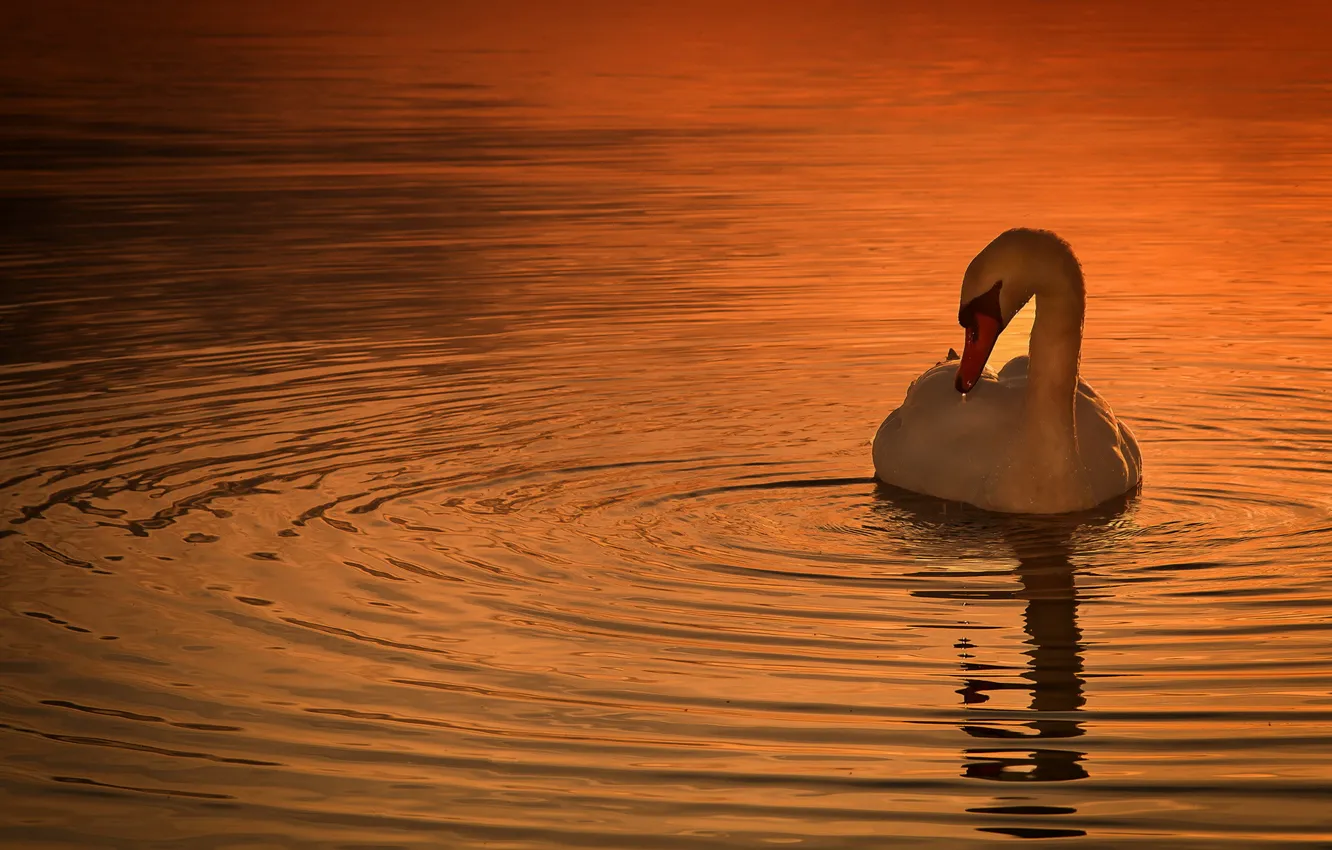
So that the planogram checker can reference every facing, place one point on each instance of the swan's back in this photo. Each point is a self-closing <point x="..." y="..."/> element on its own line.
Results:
<point x="951" y="446"/>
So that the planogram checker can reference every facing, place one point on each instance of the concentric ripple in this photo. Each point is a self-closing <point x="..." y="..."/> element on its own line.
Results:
<point x="427" y="593"/>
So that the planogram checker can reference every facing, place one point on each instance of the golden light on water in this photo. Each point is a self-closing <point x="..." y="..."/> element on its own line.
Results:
<point x="448" y="425"/>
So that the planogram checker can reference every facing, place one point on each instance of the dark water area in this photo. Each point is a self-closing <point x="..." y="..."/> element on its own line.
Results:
<point x="447" y="425"/>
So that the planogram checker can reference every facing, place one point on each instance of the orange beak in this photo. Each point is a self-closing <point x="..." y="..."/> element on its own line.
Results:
<point x="982" y="317"/>
<point x="981" y="337"/>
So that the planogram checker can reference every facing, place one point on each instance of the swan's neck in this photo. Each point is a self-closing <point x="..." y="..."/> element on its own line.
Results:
<point x="1052" y="374"/>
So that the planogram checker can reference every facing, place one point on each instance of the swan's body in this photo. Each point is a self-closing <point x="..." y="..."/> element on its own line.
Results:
<point x="1033" y="439"/>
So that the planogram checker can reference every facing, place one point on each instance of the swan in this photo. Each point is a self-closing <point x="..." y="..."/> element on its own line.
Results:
<point x="1034" y="438"/>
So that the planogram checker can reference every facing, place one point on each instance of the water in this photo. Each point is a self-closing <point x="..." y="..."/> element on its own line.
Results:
<point x="449" y="426"/>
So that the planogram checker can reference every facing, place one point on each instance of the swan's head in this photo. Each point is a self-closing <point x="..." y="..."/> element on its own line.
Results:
<point x="999" y="282"/>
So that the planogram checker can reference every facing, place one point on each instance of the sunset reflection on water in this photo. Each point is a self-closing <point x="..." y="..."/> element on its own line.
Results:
<point x="448" y="425"/>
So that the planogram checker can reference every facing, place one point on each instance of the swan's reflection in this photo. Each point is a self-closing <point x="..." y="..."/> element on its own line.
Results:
<point x="1054" y="671"/>
<point x="1041" y="746"/>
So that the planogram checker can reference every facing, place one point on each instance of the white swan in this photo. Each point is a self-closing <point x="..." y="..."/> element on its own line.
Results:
<point x="1033" y="439"/>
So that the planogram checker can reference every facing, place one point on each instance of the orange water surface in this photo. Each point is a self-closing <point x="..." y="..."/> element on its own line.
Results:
<point x="447" y="425"/>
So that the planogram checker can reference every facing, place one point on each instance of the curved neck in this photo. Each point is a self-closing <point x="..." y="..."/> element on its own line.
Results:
<point x="1052" y="376"/>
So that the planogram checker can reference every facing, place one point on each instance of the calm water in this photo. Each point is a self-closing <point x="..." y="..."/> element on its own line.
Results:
<point x="450" y="426"/>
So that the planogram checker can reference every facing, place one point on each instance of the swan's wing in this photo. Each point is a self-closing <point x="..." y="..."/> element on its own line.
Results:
<point x="1015" y="369"/>
<point x="939" y="441"/>
<point x="1109" y="450"/>
<point x="1132" y="454"/>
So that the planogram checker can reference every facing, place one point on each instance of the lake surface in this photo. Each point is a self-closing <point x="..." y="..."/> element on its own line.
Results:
<point x="448" y="425"/>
